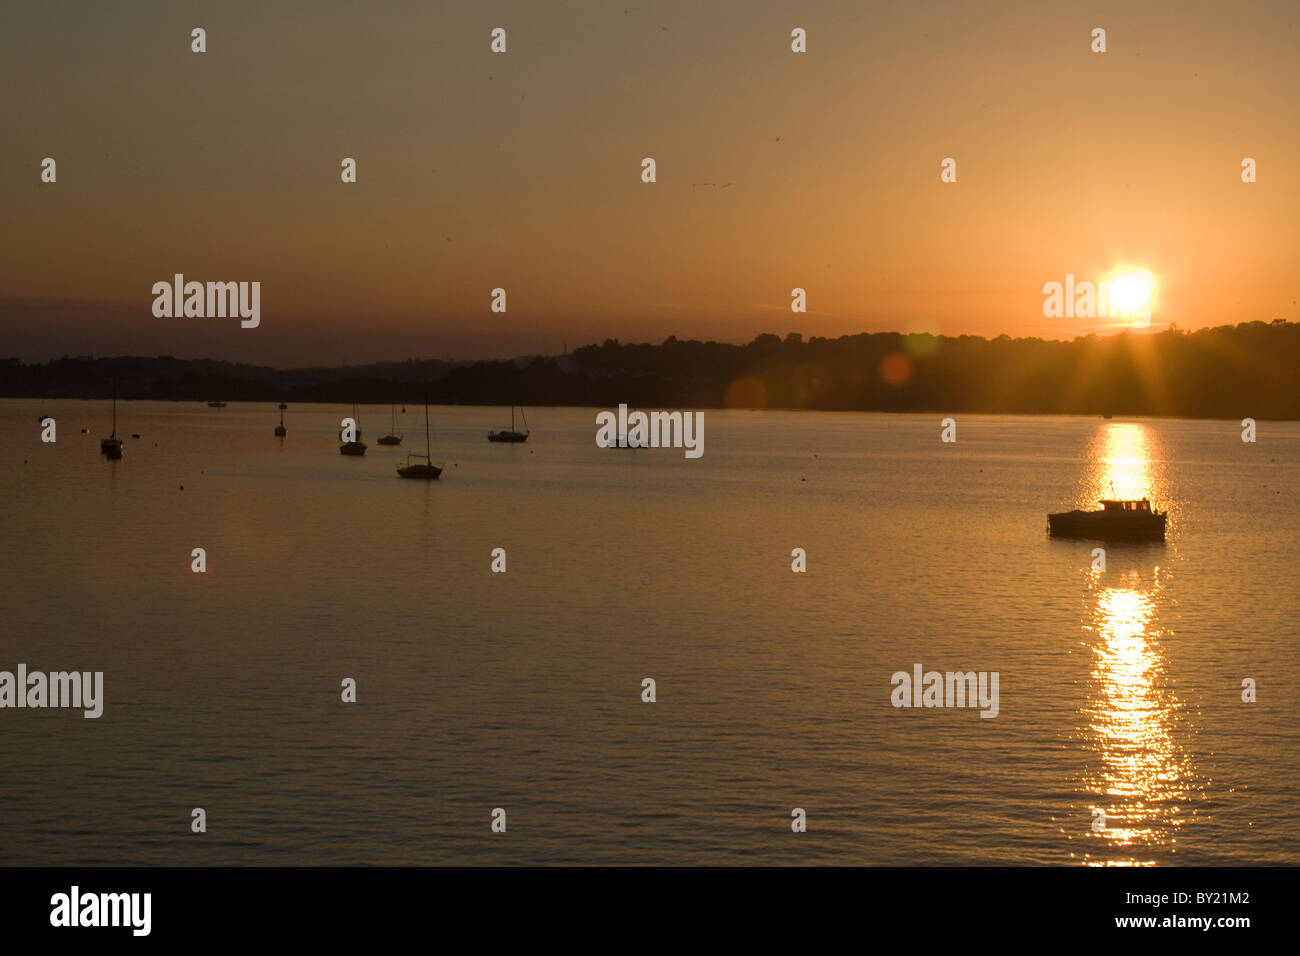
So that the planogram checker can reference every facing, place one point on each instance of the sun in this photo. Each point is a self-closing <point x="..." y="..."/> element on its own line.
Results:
<point x="1131" y="293"/>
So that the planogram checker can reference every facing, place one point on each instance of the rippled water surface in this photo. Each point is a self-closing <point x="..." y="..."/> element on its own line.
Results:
<point x="1120" y="690"/>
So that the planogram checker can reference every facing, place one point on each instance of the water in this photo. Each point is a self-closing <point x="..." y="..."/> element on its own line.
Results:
<point x="1120" y="691"/>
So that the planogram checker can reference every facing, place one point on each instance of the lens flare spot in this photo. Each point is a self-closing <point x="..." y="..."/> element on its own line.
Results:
<point x="896" y="369"/>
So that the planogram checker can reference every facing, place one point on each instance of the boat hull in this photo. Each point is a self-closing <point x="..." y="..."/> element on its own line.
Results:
<point x="514" y="437"/>
<point x="426" y="472"/>
<point x="390" y="440"/>
<point x="110" y="447"/>
<point x="1104" y="526"/>
<point x="353" y="448"/>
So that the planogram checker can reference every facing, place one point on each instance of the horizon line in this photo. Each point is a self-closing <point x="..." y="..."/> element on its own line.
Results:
<point x="1152" y="330"/>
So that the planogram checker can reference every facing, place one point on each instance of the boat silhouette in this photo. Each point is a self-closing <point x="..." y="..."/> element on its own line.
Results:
<point x="111" y="447"/>
<point x="511" y="435"/>
<point x="1117" y="520"/>
<point x="392" y="438"/>
<point x="357" y="447"/>
<point x="428" y="471"/>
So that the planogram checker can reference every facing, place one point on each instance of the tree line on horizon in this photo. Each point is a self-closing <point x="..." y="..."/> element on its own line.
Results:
<point x="1246" y="370"/>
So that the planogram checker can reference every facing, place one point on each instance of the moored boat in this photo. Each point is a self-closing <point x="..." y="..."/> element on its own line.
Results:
<point x="392" y="438"/>
<point x="1117" y="520"/>
<point x="511" y="435"/>
<point x="356" y="447"/>
<point x="428" y="471"/>
<point x="111" y="447"/>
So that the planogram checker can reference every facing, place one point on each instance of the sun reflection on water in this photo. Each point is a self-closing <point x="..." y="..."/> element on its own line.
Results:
<point x="1125" y="463"/>
<point x="1138" y="774"/>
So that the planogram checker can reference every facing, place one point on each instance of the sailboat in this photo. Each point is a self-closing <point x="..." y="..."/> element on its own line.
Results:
<point x="511" y="435"/>
<point x="357" y="447"/>
<point x="111" y="447"/>
<point x="392" y="438"/>
<point x="280" y="430"/>
<point x="428" y="471"/>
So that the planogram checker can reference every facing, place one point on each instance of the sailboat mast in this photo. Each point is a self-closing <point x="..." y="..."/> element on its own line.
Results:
<point x="114" y="435"/>
<point x="428" y="451"/>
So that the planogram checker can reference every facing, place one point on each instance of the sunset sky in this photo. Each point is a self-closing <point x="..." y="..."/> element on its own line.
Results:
<point x="522" y="170"/>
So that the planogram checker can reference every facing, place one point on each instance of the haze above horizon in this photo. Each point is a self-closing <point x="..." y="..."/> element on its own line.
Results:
<point x="522" y="170"/>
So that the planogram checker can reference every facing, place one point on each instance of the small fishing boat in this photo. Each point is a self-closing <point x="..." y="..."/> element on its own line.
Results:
<point x="111" y="447"/>
<point x="283" y="406"/>
<point x="280" y="430"/>
<point x="511" y="435"/>
<point x="216" y="404"/>
<point x="1117" y="520"/>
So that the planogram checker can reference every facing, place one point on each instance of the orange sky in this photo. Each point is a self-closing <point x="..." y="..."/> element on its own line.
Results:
<point x="522" y="170"/>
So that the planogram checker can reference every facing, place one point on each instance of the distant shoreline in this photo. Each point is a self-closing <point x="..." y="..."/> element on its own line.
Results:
<point x="1251" y="370"/>
<point x="712" y="408"/>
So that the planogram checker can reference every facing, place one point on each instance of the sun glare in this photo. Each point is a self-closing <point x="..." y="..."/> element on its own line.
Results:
<point x="1131" y="292"/>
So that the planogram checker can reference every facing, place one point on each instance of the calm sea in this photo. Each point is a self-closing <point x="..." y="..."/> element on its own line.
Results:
<point x="1120" y="691"/>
